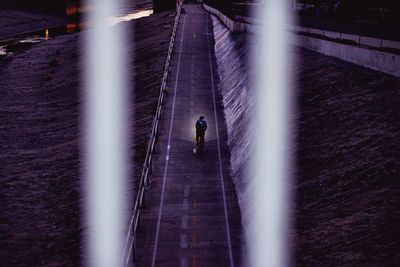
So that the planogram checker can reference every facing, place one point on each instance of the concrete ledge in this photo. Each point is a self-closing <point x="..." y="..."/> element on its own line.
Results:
<point x="369" y="58"/>
<point x="316" y="31"/>
<point x="373" y="59"/>
<point x="232" y="25"/>
<point x="253" y="25"/>
<point x="359" y="39"/>
<point x="333" y="35"/>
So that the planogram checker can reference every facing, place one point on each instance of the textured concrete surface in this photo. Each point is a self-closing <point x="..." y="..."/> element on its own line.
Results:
<point x="41" y="220"/>
<point x="192" y="217"/>
<point x="347" y="191"/>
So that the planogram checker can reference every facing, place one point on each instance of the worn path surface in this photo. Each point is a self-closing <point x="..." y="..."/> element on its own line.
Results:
<point x="192" y="217"/>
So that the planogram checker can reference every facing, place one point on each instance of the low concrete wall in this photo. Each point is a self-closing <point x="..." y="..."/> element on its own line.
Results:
<point x="369" y="58"/>
<point x="373" y="59"/>
<point x="232" y="25"/>
<point x="358" y="39"/>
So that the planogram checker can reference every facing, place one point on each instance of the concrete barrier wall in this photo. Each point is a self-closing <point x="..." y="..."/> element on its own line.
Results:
<point x="373" y="59"/>
<point x="359" y="39"/>
<point x="232" y="25"/>
<point x="369" y="58"/>
<point x="253" y="24"/>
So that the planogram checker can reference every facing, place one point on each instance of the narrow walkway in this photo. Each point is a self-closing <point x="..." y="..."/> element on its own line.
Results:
<point x="192" y="217"/>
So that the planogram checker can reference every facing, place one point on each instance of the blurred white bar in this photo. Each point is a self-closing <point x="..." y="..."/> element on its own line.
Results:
<point x="267" y="238"/>
<point x="105" y="136"/>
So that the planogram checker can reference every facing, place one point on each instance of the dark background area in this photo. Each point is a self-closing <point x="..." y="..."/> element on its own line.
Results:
<point x="50" y="6"/>
<point x="163" y="5"/>
<point x="378" y="19"/>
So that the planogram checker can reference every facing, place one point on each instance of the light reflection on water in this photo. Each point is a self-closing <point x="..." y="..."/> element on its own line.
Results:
<point x="136" y="15"/>
<point x="33" y="40"/>
<point x="71" y="27"/>
<point x="74" y="27"/>
<point x="11" y="45"/>
<point x="7" y="47"/>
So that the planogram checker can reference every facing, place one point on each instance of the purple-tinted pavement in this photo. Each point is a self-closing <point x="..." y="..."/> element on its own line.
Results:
<point x="192" y="217"/>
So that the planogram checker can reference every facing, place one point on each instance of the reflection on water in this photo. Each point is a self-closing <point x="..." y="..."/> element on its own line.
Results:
<point x="32" y="40"/>
<point x="12" y="45"/>
<point x="131" y="16"/>
<point x="21" y="42"/>
<point x="74" y="27"/>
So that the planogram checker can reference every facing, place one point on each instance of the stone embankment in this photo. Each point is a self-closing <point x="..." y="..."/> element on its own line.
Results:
<point x="346" y="188"/>
<point x="40" y="129"/>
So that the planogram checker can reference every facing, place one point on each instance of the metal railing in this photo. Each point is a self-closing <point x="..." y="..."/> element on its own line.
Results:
<point x="147" y="165"/>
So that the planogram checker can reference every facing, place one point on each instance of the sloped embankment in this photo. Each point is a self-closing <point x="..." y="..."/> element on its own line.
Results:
<point x="151" y="37"/>
<point x="232" y="54"/>
<point x="40" y="157"/>
<point x="347" y="191"/>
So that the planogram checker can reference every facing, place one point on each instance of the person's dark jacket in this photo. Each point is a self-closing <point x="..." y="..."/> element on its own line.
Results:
<point x="201" y="126"/>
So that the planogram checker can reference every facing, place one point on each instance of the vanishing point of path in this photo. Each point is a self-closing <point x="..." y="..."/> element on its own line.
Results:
<point x="192" y="217"/>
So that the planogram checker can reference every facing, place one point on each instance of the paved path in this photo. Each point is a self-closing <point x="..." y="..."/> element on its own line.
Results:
<point x="192" y="217"/>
